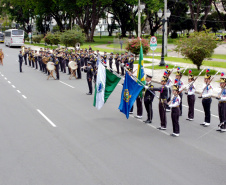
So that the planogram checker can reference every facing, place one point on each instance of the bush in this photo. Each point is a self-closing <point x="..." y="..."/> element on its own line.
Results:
<point x="37" y="38"/>
<point x="55" y="38"/>
<point x="26" y="36"/>
<point x="197" y="47"/>
<point x="71" y="37"/>
<point x="174" y="35"/>
<point x="48" y="38"/>
<point x="134" y="46"/>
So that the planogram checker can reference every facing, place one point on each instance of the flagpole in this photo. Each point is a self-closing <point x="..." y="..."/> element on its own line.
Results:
<point x="140" y="83"/>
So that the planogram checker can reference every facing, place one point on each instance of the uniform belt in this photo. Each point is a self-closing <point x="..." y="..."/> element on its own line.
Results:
<point x="207" y="98"/>
<point x="222" y="102"/>
<point x="176" y="106"/>
<point x="162" y="99"/>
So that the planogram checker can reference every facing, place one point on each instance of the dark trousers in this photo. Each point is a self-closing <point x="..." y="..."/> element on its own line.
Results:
<point x="57" y="72"/>
<point x="139" y="106"/>
<point x="20" y="66"/>
<point x="206" y="103"/>
<point x="191" y="106"/>
<point x="117" y="67"/>
<point x="122" y="71"/>
<point x="29" y="62"/>
<point x="169" y="98"/>
<point x="162" y="113"/>
<point x="40" y="64"/>
<point x="110" y="64"/>
<point x="79" y="72"/>
<point x="36" y="63"/>
<point x="131" y="110"/>
<point x="222" y="113"/>
<point x="64" y="66"/>
<point x="25" y="60"/>
<point x="148" y="107"/>
<point x="90" y="85"/>
<point x="175" y="119"/>
<point x="33" y="63"/>
<point x="181" y="97"/>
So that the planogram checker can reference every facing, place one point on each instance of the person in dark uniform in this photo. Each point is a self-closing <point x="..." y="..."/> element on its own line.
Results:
<point x="29" y="56"/>
<point x="40" y="60"/>
<point x="122" y="62"/>
<point x="79" y="66"/>
<point x="56" y="63"/>
<point x="82" y="56"/>
<point x="117" y="62"/>
<point x="111" y="60"/>
<point x="222" y="104"/>
<point x="162" y="102"/>
<point x="191" y="98"/>
<point x="20" y="61"/>
<point x="131" y="61"/>
<point x="89" y="75"/>
<point x="36" y="59"/>
<point x="105" y="57"/>
<point x="207" y="100"/>
<point x="64" y="59"/>
<point x="90" y="49"/>
<point x="148" y="99"/>
<point x="175" y="113"/>
<point x="180" y="83"/>
<point x="25" y="56"/>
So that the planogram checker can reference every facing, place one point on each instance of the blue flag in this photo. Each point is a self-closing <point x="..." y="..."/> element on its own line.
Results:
<point x="130" y="91"/>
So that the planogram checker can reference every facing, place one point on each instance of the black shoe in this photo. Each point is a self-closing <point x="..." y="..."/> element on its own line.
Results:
<point x="89" y="93"/>
<point x="147" y="121"/>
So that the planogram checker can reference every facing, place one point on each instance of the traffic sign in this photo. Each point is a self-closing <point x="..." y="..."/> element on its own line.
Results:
<point x="153" y="43"/>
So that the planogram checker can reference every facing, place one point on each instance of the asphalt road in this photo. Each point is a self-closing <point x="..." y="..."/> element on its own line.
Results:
<point x="50" y="134"/>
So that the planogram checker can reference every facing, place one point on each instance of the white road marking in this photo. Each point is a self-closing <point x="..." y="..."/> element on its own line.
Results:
<point x="5" y="78"/>
<point x="201" y="111"/>
<point x="24" y="97"/>
<point x="13" y="86"/>
<point x="67" y="84"/>
<point x="2" y="74"/>
<point x="47" y="119"/>
<point x="164" y="132"/>
<point x="18" y="91"/>
<point x="9" y="82"/>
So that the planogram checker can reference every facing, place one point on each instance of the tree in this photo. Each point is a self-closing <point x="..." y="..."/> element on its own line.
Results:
<point x="221" y="16"/>
<point x="123" y="12"/>
<point x="196" y="8"/>
<point x="213" y="22"/>
<point x="199" y="46"/>
<point x="71" y="37"/>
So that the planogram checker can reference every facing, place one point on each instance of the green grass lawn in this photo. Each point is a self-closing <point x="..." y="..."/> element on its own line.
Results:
<point x="195" y="72"/>
<point x="145" y="62"/>
<point x="156" y="67"/>
<point x="218" y="56"/>
<point x="182" y="60"/>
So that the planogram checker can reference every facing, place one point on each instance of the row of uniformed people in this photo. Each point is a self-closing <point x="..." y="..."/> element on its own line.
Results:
<point x="174" y="102"/>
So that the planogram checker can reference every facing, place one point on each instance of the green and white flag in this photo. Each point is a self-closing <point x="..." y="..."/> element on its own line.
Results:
<point x="105" y="85"/>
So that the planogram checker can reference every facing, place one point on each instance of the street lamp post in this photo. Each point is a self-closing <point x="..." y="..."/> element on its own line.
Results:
<point x="162" y="63"/>
<point x="100" y="26"/>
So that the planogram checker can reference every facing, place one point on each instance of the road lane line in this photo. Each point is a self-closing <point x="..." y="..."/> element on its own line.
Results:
<point x="2" y="74"/>
<point x="18" y="91"/>
<point x="5" y="78"/>
<point x="9" y="82"/>
<point x="201" y="111"/>
<point x="47" y="119"/>
<point x="24" y="97"/>
<point x="150" y="125"/>
<point x="67" y="84"/>
<point x="13" y="86"/>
